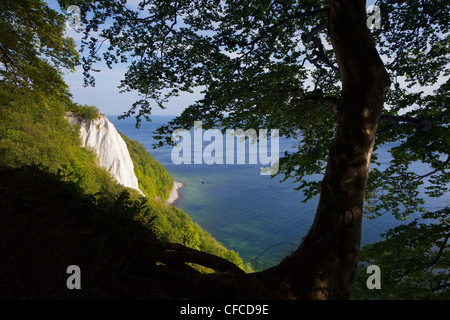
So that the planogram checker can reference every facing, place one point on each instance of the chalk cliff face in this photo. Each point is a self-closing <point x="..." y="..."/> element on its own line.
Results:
<point x="112" y="151"/>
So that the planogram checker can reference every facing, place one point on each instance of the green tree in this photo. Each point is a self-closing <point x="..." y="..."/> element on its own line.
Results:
<point x="38" y="142"/>
<point x="84" y="111"/>
<point x="33" y="47"/>
<point x="154" y="180"/>
<point x="313" y="69"/>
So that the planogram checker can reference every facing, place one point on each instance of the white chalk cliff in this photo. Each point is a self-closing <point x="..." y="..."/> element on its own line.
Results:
<point x="111" y="149"/>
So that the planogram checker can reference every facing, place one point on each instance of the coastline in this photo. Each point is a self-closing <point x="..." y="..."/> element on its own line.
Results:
<point x="174" y="194"/>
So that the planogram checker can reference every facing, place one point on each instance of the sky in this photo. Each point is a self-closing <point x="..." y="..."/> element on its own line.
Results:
<point x="105" y="95"/>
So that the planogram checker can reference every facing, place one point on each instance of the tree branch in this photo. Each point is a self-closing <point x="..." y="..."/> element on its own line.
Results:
<point x="308" y="37"/>
<point x="311" y="37"/>
<point x="422" y="124"/>
<point x="178" y="254"/>
<point x="316" y="96"/>
<point x="170" y="29"/>
<point x="266" y="31"/>
<point x="441" y="249"/>
<point x="296" y="15"/>
<point x="434" y="171"/>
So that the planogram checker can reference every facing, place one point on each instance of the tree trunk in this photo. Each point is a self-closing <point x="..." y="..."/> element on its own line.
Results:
<point x="324" y="265"/>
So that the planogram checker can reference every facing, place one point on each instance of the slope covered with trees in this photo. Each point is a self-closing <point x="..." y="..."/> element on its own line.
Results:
<point x="48" y="224"/>
<point x="33" y="131"/>
<point x="58" y="206"/>
<point x="154" y="180"/>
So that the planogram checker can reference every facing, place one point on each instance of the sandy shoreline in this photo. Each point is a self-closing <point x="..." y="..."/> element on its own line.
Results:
<point x="173" y="196"/>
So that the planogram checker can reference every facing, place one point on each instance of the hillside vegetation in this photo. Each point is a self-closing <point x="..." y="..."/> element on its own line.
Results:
<point x="154" y="180"/>
<point x="48" y="224"/>
<point x="33" y="131"/>
<point x="58" y="203"/>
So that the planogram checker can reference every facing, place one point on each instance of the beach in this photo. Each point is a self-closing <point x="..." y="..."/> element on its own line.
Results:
<point x="173" y="196"/>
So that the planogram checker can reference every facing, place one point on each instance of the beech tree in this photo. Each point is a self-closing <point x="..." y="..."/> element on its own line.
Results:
<point x="33" y="47"/>
<point x="314" y="70"/>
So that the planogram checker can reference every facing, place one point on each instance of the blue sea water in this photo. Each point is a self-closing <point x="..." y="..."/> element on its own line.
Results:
<point x="255" y="215"/>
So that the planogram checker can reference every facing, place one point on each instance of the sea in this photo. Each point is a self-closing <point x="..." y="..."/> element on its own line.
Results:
<point x="259" y="217"/>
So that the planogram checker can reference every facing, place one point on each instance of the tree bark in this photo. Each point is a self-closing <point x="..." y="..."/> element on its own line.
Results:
<point x="324" y="265"/>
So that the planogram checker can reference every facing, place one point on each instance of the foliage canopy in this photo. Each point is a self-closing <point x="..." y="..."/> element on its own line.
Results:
<point x="33" y="47"/>
<point x="270" y="64"/>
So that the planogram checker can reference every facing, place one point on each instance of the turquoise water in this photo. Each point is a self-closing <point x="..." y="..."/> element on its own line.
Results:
<point x="255" y="215"/>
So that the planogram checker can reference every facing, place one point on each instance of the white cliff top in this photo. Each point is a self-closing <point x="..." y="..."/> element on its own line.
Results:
<point x="112" y="151"/>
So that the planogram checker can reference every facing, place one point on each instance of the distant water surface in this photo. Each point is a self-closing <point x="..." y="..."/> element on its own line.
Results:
<point x="255" y="215"/>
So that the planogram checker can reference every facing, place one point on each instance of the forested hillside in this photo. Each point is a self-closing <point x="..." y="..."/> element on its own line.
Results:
<point x="34" y="131"/>
<point x="154" y="180"/>
<point x="58" y="205"/>
<point x="47" y="225"/>
<point x="47" y="175"/>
